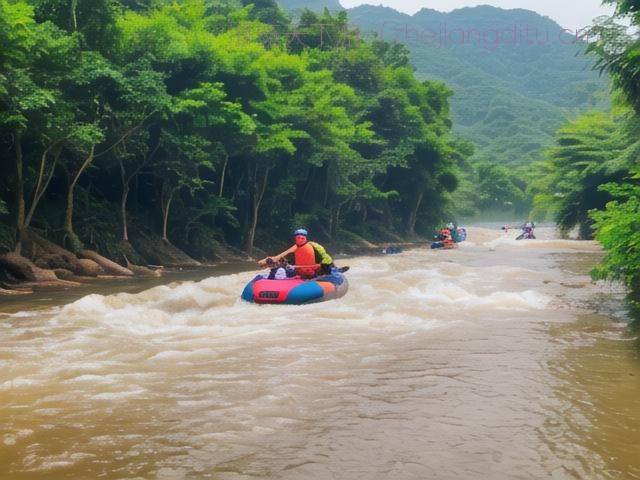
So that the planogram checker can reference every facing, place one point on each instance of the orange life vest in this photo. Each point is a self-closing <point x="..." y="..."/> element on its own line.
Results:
<point x="306" y="255"/>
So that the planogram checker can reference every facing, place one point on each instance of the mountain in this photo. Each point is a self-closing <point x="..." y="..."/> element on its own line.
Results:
<point x="315" y="5"/>
<point x="515" y="80"/>
<point x="510" y="96"/>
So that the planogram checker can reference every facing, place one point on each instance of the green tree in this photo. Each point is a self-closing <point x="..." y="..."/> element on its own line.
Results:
<point x="618" y="230"/>
<point x="33" y="108"/>
<point x="498" y="188"/>
<point x="94" y="19"/>
<point x="585" y="156"/>
<point x="179" y="167"/>
<point x="618" y="48"/>
<point x="114" y="103"/>
<point x="266" y="11"/>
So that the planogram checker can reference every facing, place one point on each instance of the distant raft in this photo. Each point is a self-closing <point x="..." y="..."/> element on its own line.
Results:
<point x="296" y="291"/>
<point x="527" y="235"/>
<point x="460" y="235"/>
<point x="444" y="244"/>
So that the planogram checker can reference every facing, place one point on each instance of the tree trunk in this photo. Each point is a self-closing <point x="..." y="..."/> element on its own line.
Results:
<point x="40" y="187"/>
<point x="258" y="195"/>
<point x="335" y="219"/>
<point x="411" y="221"/>
<point x="123" y="211"/>
<point x="42" y="250"/>
<point x="68" y="218"/>
<point x="19" y="191"/>
<point x="74" y="14"/>
<point x="123" y="202"/>
<point x="107" y="265"/>
<point x="165" y="215"/>
<point x="222" y="175"/>
<point x="126" y="181"/>
<point x="25" y="268"/>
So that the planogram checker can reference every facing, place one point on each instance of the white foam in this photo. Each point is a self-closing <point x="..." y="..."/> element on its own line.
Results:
<point x="24" y="314"/>
<point x="447" y="293"/>
<point x="102" y="379"/>
<point x="12" y="438"/>
<point x="18" y="382"/>
<point x="118" y="395"/>
<point x="37" y="463"/>
<point x="175" y="355"/>
<point x="110" y="379"/>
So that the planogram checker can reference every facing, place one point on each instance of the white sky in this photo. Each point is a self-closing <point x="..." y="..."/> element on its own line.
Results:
<point x="573" y="14"/>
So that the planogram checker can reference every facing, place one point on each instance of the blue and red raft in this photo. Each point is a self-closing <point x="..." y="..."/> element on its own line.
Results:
<point x="296" y="291"/>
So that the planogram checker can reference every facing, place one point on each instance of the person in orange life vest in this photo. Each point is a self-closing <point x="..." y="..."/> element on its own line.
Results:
<point x="446" y="238"/>
<point x="311" y="258"/>
<point x="444" y="234"/>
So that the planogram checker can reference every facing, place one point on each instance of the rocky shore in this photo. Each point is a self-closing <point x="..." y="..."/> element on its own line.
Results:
<point x="40" y="263"/>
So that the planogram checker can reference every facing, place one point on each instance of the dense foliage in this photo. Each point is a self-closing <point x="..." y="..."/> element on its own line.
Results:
<point x="594" y="170"/>
<point x="618" y="225"/>
<point x="587" y="154"/>
<point x="159" y="116"/>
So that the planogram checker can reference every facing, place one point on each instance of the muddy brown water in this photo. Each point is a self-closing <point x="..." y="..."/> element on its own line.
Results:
<point x="499" y="359"/>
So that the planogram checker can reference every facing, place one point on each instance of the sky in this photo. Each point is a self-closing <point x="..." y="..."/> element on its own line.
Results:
<point x="573" y="14"/>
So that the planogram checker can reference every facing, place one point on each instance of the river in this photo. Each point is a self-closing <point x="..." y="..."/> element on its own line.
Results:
<point x="499" y="360"/>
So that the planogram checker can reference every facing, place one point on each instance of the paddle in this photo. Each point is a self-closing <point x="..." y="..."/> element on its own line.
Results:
<point x="282" y="263"/>
<point x="317" y="265"/>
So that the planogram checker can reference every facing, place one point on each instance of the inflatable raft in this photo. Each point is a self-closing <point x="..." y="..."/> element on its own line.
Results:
<point x="295" y="291"/>
<point x="526" y="236"/>
<point x="460" y="235"/>
<point x="444" y="244"/>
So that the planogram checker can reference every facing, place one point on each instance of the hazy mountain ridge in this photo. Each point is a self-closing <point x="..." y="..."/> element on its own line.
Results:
<point x="509" y="99"/>
<point x="315" y="5"/>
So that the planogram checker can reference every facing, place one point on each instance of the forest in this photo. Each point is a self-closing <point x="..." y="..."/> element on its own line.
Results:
<point x="133" y="128"/>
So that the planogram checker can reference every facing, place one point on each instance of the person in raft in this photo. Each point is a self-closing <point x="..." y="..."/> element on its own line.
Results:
<point x="311" y="259"/>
